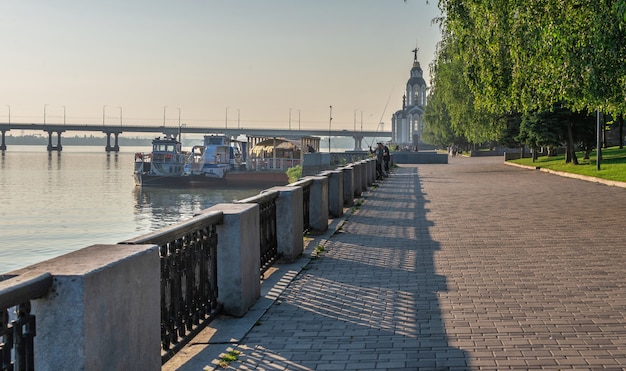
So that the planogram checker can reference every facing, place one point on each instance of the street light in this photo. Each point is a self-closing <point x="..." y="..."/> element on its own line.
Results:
<point x="238" y="118"/>
<point x="298" y="119"/>
<point x="226" y="117"/>
<point x="178" y="116"/>
<point x="330" y="121"/>
<point x="164" y="108"/>
<point x="9" y="113"/>
<point x="120" y="116"/>
<point x="103" y="113"/>
<point x="63" y="115"/>
<point x="44" y="114"/>
<point x="289" y="118"/>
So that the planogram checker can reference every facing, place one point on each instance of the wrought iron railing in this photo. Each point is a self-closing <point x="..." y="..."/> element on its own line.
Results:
<point x="267" y="226"/>
<point x="306" y="202"/>
<point x="188" y="252"/>
<point x="17" y="329"/>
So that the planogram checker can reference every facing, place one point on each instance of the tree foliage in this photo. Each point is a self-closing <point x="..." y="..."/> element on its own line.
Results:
<point x="503" y="63"/>
<point x="530" y="55"/>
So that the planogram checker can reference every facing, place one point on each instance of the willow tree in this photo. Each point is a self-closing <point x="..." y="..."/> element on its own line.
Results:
<point x="531" y="55"/>
<point x="452" y="110"/>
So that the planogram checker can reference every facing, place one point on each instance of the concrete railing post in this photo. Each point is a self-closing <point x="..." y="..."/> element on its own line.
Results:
<point x="364" y="174"/>
<point x="103" y="311"/>
<point x="348" y="185"/>
<point x="238" y="257"/>
<point x="318" y="208"/>
<point x="371" y="164"/>
<point x="290" y="222"/>
<point x="335" y="192"/>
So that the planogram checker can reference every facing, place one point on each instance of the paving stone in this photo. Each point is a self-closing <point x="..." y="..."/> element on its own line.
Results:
<point x="471" y="265"/>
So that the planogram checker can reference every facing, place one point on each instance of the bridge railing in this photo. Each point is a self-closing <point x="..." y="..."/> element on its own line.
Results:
<point x="188" y="255"/>
<point x="17" y="327"/>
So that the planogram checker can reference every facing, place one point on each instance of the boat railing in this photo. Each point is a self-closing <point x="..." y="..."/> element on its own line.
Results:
<point x="272" y="163"/>
<point x="188" y="254"/>
<point x="267" y="227"/>
<point x="17" y="326"/>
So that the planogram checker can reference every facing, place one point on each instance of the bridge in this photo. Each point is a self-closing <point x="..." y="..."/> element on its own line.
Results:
<point x="116" y="130"/>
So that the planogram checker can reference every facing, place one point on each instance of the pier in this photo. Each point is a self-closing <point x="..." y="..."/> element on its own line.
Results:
<point x="469" y="265"/>
<point x="113" y="132"/>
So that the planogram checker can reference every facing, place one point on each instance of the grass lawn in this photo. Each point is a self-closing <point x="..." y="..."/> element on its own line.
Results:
<point x="612" y="167"/>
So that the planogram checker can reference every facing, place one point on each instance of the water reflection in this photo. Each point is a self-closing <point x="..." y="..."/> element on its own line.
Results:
<point x="156" y="208"/>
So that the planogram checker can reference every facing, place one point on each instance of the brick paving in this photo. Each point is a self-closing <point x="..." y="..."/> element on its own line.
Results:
<point x="473" y="265"/>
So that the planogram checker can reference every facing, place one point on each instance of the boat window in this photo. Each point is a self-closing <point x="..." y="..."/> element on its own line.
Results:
<point x="213" y="140"/>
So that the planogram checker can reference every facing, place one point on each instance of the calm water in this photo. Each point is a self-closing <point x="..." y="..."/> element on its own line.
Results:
<point x="54" y="203"/>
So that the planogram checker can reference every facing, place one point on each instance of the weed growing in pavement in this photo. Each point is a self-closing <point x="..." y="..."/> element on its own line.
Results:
<point x="226" y="359"/>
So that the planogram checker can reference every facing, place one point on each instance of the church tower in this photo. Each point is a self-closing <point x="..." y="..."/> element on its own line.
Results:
<point x="406" y="124"/>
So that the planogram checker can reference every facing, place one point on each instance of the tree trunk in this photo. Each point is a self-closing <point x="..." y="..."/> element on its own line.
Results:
<point x="620" y="123"/>
<point x="570" y="146"/>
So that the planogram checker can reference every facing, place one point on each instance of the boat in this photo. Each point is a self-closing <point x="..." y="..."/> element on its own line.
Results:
<point x="229" y="162"/>
<point x="221" y="161"/>
<point x="214" y="159"/>
<point x="163" y="166"/>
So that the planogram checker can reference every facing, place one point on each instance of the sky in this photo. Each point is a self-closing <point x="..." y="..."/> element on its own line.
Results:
<point x="212" y="63"/>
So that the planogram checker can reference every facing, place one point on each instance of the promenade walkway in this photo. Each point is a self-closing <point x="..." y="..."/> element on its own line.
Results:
<point x="473" y="265"/>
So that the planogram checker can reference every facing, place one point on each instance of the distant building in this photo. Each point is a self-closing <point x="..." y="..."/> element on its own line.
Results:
<point x="406" y="124"/>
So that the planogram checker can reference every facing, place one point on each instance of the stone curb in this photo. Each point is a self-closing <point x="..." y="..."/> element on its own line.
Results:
<point x="570" y="175"/>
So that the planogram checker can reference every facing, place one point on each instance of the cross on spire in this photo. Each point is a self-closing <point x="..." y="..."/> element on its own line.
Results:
<point x="415" y="54"/>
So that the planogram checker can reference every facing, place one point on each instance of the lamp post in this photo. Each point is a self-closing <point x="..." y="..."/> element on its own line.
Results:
<point x="178" y="116"/>
<point x="330" y="121"/>
<point x="298" y="119"/>
<point x="289" y="118"/>
<point x="164" y="108"/>
<point x="9" y="113"/>
<point x="238" y="123"/>
<point x="120" y="116"/>
<point x="44" y="114"/>
<point x="226" y="117"/>
<point x="63" y="115"/>
<point x="599" y="140"/>
<point x="361" y="120"/>
<point x="104" y="108"/>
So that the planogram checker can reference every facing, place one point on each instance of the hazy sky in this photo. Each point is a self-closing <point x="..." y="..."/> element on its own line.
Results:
<point x="261" y="57"/>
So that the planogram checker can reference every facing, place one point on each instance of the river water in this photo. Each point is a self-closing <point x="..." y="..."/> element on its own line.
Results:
<point x="54" y="203"/>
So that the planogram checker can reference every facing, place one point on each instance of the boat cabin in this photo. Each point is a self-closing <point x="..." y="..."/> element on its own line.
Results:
<point x="280" y="154"/>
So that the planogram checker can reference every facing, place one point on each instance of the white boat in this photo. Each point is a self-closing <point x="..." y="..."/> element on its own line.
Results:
<point x="214" y="159"/>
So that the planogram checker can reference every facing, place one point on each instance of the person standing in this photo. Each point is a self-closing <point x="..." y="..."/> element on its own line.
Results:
<point x="386" y="158"/>
<point x="380" y="173"/>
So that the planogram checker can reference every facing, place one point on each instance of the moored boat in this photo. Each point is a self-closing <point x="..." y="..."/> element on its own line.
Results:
<point x="221" y="161"/>
<point x="164" y="166"/>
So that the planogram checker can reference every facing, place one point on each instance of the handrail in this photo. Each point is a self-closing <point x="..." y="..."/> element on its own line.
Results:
<point x="19" y="289"/>
<point x="175" y="231"/>
<point x="17" y="334"/>
<point x="264" y="196"/>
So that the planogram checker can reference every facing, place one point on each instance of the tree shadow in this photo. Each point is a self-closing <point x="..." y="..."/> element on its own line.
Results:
<point x="370" y="301"/>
